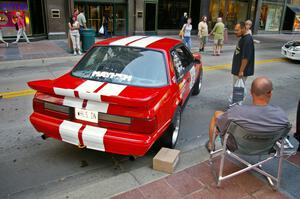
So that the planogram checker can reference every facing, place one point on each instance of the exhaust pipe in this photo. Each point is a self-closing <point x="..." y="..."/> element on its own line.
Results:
<point x="44" y="137"/>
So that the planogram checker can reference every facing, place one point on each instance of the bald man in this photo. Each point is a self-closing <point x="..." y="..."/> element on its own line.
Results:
<point x="260" y="116"/>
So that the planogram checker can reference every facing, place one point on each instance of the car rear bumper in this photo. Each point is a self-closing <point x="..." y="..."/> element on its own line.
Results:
<point x="101" y="139"/>
<point x="294" y="55"/>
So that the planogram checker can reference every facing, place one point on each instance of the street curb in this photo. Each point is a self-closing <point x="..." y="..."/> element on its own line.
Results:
<point x="133" y="178"/>
<point x="5" y="65"/>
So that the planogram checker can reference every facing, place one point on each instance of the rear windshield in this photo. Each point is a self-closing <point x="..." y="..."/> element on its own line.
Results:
<point x="123" y="65"/>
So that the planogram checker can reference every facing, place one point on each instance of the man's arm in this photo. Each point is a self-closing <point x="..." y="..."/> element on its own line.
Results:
<point x="242" y="68"/>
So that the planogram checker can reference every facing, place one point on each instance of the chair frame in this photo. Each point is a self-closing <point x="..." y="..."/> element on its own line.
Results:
<point x="224" y="151"/>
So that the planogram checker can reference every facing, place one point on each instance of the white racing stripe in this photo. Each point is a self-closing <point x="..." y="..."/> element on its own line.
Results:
<point x="112" y="89"/>
<point x="69" y="132"/>
<point x="124" y="41"/>
<point x="93" y="137"/>
<point x="97" y="106"/>
<point x="88" y="86"/>
<point x="64" y="92"/>
<point x="73" y="102"/>
<point x="145" y="42"/>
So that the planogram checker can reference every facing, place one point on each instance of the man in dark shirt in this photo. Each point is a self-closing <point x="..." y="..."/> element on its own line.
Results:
<point x="243" y="57"/>
<point x="260" y="116"/>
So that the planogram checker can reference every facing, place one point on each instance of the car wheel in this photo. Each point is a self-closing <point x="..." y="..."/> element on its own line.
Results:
<point x="171" y="135"/>
<point x="198" y="84"/>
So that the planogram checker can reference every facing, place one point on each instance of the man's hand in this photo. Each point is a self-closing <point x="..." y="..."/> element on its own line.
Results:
<point x="241" y="74"/>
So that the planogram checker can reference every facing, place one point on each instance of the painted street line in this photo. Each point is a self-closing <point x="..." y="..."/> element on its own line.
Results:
<point x="20" y="93"/>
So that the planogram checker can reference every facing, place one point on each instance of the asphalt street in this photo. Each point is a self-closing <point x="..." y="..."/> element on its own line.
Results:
<point x="31" y="167"/>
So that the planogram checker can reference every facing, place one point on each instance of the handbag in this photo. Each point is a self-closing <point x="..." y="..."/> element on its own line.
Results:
<point x="181" y="32"/>
<point x="238" y="91"/>
<point x="101" y="30"/>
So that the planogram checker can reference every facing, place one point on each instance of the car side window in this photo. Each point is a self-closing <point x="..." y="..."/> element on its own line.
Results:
<point x="182" y="59"/>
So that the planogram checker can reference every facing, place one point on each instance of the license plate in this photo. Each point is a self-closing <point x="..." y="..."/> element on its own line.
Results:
<point x="86" y="115"/>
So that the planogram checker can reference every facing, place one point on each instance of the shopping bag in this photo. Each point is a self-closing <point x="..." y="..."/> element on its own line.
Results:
<point x="238" y="91"/>
<point x="101" y="30"/>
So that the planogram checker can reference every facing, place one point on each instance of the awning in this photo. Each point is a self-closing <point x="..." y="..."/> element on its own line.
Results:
<point x="295" y="9"/>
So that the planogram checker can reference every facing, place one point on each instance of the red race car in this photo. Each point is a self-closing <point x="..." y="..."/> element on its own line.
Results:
<point x="122" y="96"/>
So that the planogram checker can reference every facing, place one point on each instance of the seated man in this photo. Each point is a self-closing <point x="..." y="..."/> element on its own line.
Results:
<point x="260" y="116"/>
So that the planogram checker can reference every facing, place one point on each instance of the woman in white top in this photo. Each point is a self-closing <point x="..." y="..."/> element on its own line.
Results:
<point x="187" y="28"/>
<point x="75" y="36"/>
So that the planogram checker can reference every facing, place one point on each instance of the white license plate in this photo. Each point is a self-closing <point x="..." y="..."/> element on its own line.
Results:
<point x="86" y="115"/>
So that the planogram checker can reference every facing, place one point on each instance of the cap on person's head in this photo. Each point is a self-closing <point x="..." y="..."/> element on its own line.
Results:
<point x="185" y="13"/>
<point x="261" y="86"/>
<point x="219" y="19"/>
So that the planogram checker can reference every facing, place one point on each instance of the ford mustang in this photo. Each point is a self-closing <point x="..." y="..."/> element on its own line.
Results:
<point x="121" y="97"/>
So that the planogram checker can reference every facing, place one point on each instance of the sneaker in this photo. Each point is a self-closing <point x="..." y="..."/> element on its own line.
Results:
<point x="15" y="42"/>
<point x="79" y="52"/>
<point x="75" y="53"/>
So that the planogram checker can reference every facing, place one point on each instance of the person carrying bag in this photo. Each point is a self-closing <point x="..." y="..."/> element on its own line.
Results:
<point x="238" y="93"/>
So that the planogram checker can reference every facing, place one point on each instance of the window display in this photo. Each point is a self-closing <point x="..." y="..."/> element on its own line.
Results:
<point x="8" y="11"/>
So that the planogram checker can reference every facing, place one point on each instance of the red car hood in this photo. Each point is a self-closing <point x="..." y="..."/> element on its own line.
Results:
<point x="69" y="86"/>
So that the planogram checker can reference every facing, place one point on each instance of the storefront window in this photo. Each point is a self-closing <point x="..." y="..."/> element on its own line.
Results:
<point x="169" y="13"/>
<point x="232" y="11"/>
<point x="95" y="11"/>
<point x="120" y="19"/>
<point x="270" y="16"/>
<point x="294" y="2"/>
<point x="8" y="11"/>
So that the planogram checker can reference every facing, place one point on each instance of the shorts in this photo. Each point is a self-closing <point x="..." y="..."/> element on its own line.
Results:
<point x="218" y="42"/>
<point x="203" y="39"/>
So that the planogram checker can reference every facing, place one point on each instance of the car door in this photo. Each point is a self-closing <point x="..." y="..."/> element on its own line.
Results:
<point x="183" y="63"/>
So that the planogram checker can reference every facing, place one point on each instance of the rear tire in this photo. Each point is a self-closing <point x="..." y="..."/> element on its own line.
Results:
<point x="171" y="135"/>
<point x="198" y="84"/>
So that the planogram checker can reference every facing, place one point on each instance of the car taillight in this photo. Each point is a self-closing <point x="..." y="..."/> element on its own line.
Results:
<point x="51" y="109"/>
<point x="58" y="108"/>
<point x="143" y="125"/>
<point x="114" y="118"/>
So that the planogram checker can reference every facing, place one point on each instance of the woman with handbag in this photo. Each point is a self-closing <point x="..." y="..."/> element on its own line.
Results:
<point x="185" y="33"/>
<point x="75" y="36"/>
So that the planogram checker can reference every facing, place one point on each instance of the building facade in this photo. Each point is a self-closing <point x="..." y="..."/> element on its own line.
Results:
<point x="49" y="18"/>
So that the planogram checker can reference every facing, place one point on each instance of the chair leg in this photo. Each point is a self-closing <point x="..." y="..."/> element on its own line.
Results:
<point x="222" y="161"/>
<point x="279" y="165"/>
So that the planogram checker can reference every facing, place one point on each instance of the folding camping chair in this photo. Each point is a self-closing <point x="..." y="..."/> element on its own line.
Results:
<point x="238" y="141"/>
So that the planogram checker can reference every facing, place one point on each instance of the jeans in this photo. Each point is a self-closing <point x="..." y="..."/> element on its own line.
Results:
<point x="106" y="32"/>
<point x="22" y="32"/>
<point x="188" y="42"/>
<point x="75" y="41"/>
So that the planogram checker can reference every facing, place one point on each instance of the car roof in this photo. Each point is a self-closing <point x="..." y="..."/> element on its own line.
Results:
<point x="153" y="42"/>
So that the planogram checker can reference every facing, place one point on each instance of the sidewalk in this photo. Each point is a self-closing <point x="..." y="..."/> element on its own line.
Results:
<point x="59" y="48"/>
<point x="197" y="182"/>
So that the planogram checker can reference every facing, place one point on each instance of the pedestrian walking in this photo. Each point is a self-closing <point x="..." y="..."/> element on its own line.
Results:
<point x="183" y="20"/>
<point x="105" y="21"/>
<point x="218" y="33"/>
<point x="75" y="36"/>
<point x="21" y="28"/>
<point x="186" y="37"/>
<point x="202" y="33"/>
<point x="243" y="57"/>
<point x="1" y="37"/>
<point x="248" y="24"/>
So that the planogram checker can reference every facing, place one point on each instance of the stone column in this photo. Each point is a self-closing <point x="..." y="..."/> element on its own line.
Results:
<point x="257" y="16"/>
<point x="139" y="16"/>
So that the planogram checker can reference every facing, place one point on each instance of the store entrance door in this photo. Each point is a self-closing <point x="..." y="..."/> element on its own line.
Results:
<point x="150" y="18"/>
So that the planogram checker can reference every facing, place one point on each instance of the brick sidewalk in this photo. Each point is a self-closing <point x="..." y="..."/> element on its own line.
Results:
<point x="198" y="182"/>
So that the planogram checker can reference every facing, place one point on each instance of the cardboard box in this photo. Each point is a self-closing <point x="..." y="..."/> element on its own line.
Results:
<point x="166" y="160"/>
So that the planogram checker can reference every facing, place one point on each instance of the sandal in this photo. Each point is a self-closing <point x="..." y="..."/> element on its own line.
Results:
<point x="209" y="149"/>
